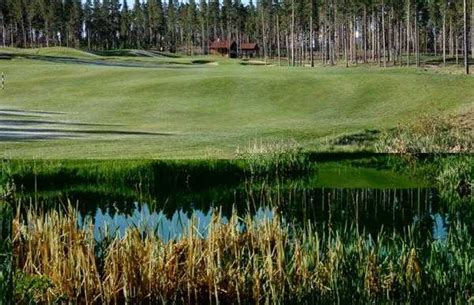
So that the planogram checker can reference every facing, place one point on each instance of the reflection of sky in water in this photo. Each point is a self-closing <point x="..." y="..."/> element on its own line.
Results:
<point x="110" y="223"/>
<point x="376" y="210"/>
<point x="440" y="225"/>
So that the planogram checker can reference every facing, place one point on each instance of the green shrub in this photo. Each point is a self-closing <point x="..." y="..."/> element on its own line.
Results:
<point x="30" y="288"/>
<point x="434" y="134"/>
<point x="454" y="179"/>
<point x="278" y="158"/>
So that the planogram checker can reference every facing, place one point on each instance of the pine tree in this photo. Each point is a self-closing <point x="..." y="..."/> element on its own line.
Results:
<point x="138" y="24"/>
<point x="191" y="23"/>
<point x="125" y="25"/>
<point x="171" y="21"/>
<point x="3" y="21"/>
<point x="204" y="24"/>
<point x="114" y="7"/>
<point x="87" y="17"/>
<point x="153" y="25"/>
<point x="214" y="19"/>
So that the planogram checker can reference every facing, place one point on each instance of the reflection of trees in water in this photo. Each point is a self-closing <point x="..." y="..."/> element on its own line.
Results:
<point x="368" y="209"/>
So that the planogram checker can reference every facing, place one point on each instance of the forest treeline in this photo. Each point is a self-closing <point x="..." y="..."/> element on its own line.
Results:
<point x="388" y="31"/>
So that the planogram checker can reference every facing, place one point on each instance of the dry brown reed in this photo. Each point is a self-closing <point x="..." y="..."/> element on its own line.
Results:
<point x="241" y="261"/>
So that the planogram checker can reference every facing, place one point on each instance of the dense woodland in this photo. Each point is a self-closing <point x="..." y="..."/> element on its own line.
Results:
<point x="384" y="31"/>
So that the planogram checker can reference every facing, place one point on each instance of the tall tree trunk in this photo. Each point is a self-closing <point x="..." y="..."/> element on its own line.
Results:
<point x="323" y="44"/>
<point x="383" y="36"/>
<point x="365" y="34"/>
<point x="354" y="39"/>
<point x="444" y="37"/>
<point x="372" y="34"/>
<point x="4" y="32"/>
<point x="466" y="53"/>
<point x="390" y="37"/>
<point x="30" y="32"/>
<point x="417" y="40"/>
<point x="278" y="39"/>
<point x="46" y="30"/>
<point x="203" y="39"/>
<point x="335" y="51"/>
<point x="408" y="34"/>
<point x="344" y="35"/>
<point x="456" y="47"/>
<point x="293" y="62"/>
<point x="12" y="43"/>
<point x="379" y="47"/>
<point x="311" y="37"/>
<point x="400" y="43"/>
<point x="264" y="34"/>
<point x="451" y="38"/>
<point x="472" y="29"/>
<point x="23" y="31"/>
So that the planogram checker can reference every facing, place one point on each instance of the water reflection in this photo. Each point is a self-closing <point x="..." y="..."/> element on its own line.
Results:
<point x="109" y="223"/>
<point x="169" y="208"/>
<point x="367" y="209"/>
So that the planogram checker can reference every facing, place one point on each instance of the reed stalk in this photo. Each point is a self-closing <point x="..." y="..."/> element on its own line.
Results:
<point x="240" y="261"/>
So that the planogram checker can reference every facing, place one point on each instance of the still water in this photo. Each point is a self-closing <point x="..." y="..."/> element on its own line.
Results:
<point x="333" y="197"/>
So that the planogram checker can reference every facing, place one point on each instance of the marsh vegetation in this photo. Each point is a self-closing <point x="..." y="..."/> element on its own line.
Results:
<point x="339" y="229"/>
<point x="242" y="260"/>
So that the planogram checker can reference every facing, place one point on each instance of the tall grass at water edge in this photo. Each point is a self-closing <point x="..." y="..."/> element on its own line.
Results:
<point x="441" y="149"/>
<point x="243" y="260"/>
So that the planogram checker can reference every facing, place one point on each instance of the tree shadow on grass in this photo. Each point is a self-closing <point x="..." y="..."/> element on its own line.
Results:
<point x="25" y="137"/>
<point x="449" y="61"/>
<point x="35" y="129"/>
<point x="39" y="122"/>
<point x="107" y="63"/>
<point x="78" y="132"/>
<point x="365" y="137"/>
<point x="28" y="112"/>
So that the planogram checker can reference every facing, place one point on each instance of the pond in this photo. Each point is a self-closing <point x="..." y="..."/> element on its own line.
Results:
<point x="363" y="193"/>
<point x="343" y="228"/>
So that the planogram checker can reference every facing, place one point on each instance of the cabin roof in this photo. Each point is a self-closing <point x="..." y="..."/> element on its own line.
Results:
<point x="224" y="44"/>
<point x="249" y="46"/>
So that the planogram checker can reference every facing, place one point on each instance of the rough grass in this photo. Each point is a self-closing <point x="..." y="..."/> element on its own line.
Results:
<point x="207" y="111"/>
<point x="5" y="251"/>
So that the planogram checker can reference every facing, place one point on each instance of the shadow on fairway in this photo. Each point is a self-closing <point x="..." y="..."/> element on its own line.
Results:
<point x="4" y="56"/>
<point x="361" y="138"/>
<point x="28" y="112"/>
<point x="449" y="61"/>
<point x="134" y="53"/>
<point x="77" y="132"/>
<point x="107" y="63"/>
<point x="24" y="137"/>
<point x="28" y="129"/>
<point x="38" y="122"/>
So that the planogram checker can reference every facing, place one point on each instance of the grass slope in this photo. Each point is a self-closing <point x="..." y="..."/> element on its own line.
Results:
<point x="206" y="110"/>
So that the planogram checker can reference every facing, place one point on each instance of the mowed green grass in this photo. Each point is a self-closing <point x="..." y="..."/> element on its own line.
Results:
<point x="208" y="110"/>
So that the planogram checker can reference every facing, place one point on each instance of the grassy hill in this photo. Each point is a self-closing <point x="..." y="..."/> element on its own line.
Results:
<point x="63" y="103"/>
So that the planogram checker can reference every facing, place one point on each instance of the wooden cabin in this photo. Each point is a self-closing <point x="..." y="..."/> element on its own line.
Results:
<point x="249" y="49"/>
<point x="224" y="48"/>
